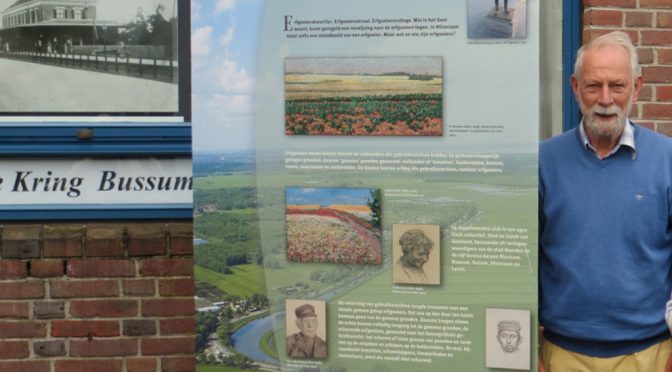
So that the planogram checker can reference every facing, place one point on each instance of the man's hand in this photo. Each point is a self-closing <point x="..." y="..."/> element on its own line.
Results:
<point x="540" y="365"/>
<point x="668" y="365"/>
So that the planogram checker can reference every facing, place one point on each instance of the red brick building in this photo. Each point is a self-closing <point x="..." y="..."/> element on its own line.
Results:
<point x="97" y="297"/>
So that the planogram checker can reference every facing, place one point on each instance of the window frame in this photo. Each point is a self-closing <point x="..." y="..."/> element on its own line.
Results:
<point x="144" y="134"/>
<point x="571" y="39"/>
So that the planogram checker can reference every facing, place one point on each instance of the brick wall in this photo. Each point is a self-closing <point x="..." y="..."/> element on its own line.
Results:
<point x="104" y="297"/>
<point x="649" y="24"/>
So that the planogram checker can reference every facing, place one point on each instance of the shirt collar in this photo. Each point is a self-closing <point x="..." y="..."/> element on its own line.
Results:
<point x="627" y="140"/>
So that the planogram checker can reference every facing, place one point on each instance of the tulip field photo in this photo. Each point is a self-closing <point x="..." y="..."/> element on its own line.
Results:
<point x="390" y="96"/>
<point x="339" y="225"/>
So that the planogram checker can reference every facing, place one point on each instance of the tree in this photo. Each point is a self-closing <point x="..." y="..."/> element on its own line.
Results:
<point x="258" y="258"/>
<point x="224" y="331"/>
<point x="374" y="204"/>
<point x="227" y="312"/>
<point x="150" y="30"/>
<point x="137" y="31"/>
<point x="162" y="30"/>
<point x="259" y="301"/>
<point x="237" y="360"/>
<point x="206" y="323"/>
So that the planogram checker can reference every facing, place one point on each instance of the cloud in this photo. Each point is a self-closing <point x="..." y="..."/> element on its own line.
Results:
<point x="231" y="105"/>
<point x="233" y="78"/>
<point x="226" y="39"/>
<point x="223" y="121"/>
<point x="224" y="5"/>
<point x="224" y="109"/>
<point x="195" y="11"/>
<point x="200" y="41"/>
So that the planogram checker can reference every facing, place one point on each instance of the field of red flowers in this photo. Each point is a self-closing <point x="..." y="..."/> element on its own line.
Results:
<point x="331" y="236"/>
<point x="395" y="115"/>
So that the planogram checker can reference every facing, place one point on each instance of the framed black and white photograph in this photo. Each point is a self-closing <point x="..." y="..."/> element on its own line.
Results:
<point x="108" y="60"/>
<point x="306" y="325"/>
<point x="416" y="254"/>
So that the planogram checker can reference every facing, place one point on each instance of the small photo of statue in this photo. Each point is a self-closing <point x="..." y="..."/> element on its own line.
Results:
<point x="416" y="254"/>
<point x="498" y="19"/>
<point x="306" y="329"/>
<point x="507" y="338"/>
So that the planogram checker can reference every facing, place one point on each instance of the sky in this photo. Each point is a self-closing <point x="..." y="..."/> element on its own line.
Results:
<point x="224" y="42"/>
<point x="327" y="196"/>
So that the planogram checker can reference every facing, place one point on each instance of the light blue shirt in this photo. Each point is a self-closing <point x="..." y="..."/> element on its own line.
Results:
<point x="627" y="139"/>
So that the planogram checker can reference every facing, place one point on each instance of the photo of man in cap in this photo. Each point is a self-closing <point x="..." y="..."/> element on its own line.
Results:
<point x="508" y="335"/>
<point x="507" y="342"/>
<point x="305" y="343"/>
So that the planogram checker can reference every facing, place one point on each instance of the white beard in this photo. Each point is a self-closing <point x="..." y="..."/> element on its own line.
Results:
<point x="601" y="128"/>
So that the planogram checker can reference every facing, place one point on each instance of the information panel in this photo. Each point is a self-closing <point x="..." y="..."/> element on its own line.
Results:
<point x="397" y="171"/>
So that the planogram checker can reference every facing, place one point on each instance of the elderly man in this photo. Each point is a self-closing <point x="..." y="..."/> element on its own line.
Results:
<point x="306" y="343"/>
<point x="605" y="225"/>
<point x="415" y="250"/>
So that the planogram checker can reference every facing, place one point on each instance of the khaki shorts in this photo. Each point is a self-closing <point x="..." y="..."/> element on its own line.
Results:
<point x="652" y="359"/>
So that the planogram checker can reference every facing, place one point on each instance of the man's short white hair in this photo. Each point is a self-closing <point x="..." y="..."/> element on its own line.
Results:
<point x="617" y="38"/>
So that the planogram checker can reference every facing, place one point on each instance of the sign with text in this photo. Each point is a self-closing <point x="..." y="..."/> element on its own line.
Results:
<point x="69" y="183"/>
<point x="397" y="170"/>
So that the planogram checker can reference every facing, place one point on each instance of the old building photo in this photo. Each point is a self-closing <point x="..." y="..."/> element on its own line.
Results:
<point x="89" y="56"/>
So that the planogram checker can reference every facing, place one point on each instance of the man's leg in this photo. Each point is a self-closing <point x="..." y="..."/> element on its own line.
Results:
<point x="557" y="359"/>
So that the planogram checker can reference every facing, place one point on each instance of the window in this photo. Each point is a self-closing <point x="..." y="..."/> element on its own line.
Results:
<point x="558" y="108"/>
<point x="156" y="122"/>
<point x="152" y="130"/>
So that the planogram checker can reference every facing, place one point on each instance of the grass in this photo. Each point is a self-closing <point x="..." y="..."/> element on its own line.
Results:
<point x="245" y="280"/>
<point x="267" y="344"/>
<point x="224" y="181"/>
<point x="240" y="212"/>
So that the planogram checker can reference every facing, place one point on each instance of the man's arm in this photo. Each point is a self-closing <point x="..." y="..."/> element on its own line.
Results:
<point x="668" y="313"/>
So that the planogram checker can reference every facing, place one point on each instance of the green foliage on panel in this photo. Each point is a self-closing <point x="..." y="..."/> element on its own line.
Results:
<point x="245" y="280"/>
